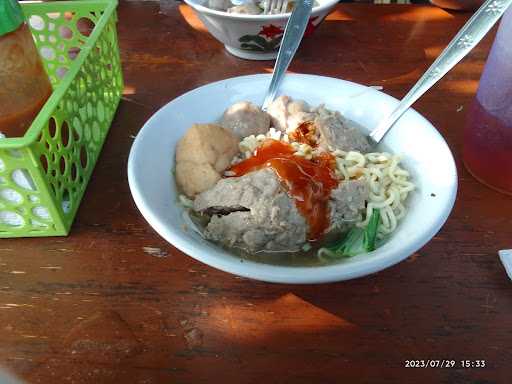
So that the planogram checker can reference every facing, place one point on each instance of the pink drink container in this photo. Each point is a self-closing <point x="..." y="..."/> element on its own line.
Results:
<point x="487" y="141"/>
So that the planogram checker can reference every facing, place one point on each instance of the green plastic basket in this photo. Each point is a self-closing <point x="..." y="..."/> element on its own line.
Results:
<point x="43" y="175"/>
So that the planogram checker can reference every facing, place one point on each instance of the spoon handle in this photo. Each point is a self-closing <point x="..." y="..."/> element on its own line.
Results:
<point x="467" y="38"/>
<point x="292" y="37"/>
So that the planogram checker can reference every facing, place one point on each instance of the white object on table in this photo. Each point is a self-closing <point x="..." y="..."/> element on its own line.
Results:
<point x="506" y="260"/>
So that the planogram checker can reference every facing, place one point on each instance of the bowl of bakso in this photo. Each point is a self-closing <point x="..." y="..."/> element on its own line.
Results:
<point x="296" y="193"/>
<point x="246" y="31"/>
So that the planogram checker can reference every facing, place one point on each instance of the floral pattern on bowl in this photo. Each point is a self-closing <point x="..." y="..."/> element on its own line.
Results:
<point x="270" y="36"/>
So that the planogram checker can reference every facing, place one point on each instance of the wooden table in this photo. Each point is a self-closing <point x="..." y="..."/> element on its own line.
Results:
<point x="114" y="303"/>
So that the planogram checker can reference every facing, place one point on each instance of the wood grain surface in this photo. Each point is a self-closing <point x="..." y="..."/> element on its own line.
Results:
<point x="115" y="303"/>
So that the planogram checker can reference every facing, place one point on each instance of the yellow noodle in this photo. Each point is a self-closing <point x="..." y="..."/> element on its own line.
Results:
<point x="388" y="184"/>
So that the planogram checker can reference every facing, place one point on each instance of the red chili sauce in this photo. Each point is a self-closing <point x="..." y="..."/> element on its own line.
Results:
<point x="309" y="182"/>
<point x="305" y="133"/>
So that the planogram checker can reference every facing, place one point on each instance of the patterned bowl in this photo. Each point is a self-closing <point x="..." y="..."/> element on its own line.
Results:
<point x="253" y="37"/>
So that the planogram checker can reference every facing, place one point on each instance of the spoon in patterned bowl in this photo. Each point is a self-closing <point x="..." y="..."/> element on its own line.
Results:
<point x="467" y="38"/>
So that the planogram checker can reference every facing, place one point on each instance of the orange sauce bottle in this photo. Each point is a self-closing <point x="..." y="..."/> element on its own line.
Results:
<point x="24" y="84"/>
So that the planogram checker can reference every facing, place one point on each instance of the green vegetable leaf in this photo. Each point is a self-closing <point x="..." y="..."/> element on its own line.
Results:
<point x="357" y="240"/>
<point x="370" y="233"/>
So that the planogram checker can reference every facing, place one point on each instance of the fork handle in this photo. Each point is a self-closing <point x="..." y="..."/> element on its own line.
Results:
<point x="292" y="37"/>
<point x="467" y="38"/>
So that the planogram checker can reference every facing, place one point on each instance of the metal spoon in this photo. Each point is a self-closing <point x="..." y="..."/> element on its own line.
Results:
<point x="292" y="37"/>
<point x="467" y="38"/>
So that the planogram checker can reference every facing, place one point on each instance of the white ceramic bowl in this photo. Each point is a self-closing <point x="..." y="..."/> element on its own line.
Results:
<point x="253" y="37"/>
<point x="425" y="155"/>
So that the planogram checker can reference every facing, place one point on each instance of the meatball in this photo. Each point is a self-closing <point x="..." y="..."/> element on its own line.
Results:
<point x="253" y="212"/>
<point x="245" y="119"/>
<point x="337" y="132"/>
<point x="202" y="155"/>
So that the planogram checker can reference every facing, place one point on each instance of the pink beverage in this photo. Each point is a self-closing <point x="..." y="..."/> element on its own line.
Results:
<point x="487" y="151"/>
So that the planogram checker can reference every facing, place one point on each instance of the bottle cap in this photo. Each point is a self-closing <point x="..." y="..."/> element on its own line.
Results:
<point x="11" y="16"/>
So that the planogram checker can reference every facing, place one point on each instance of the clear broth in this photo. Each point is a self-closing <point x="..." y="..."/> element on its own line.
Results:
<point x="301" y="258"/>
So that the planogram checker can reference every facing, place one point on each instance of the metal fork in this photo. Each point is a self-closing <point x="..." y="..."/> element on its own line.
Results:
<point x="274" y="6"/>
<point x="467" y="38"/>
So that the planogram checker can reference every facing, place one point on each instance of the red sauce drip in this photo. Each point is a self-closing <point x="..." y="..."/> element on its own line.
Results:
<point x="309" y="182"/>
<point x="486" y="149"/>
<point x="305" y="133"/>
